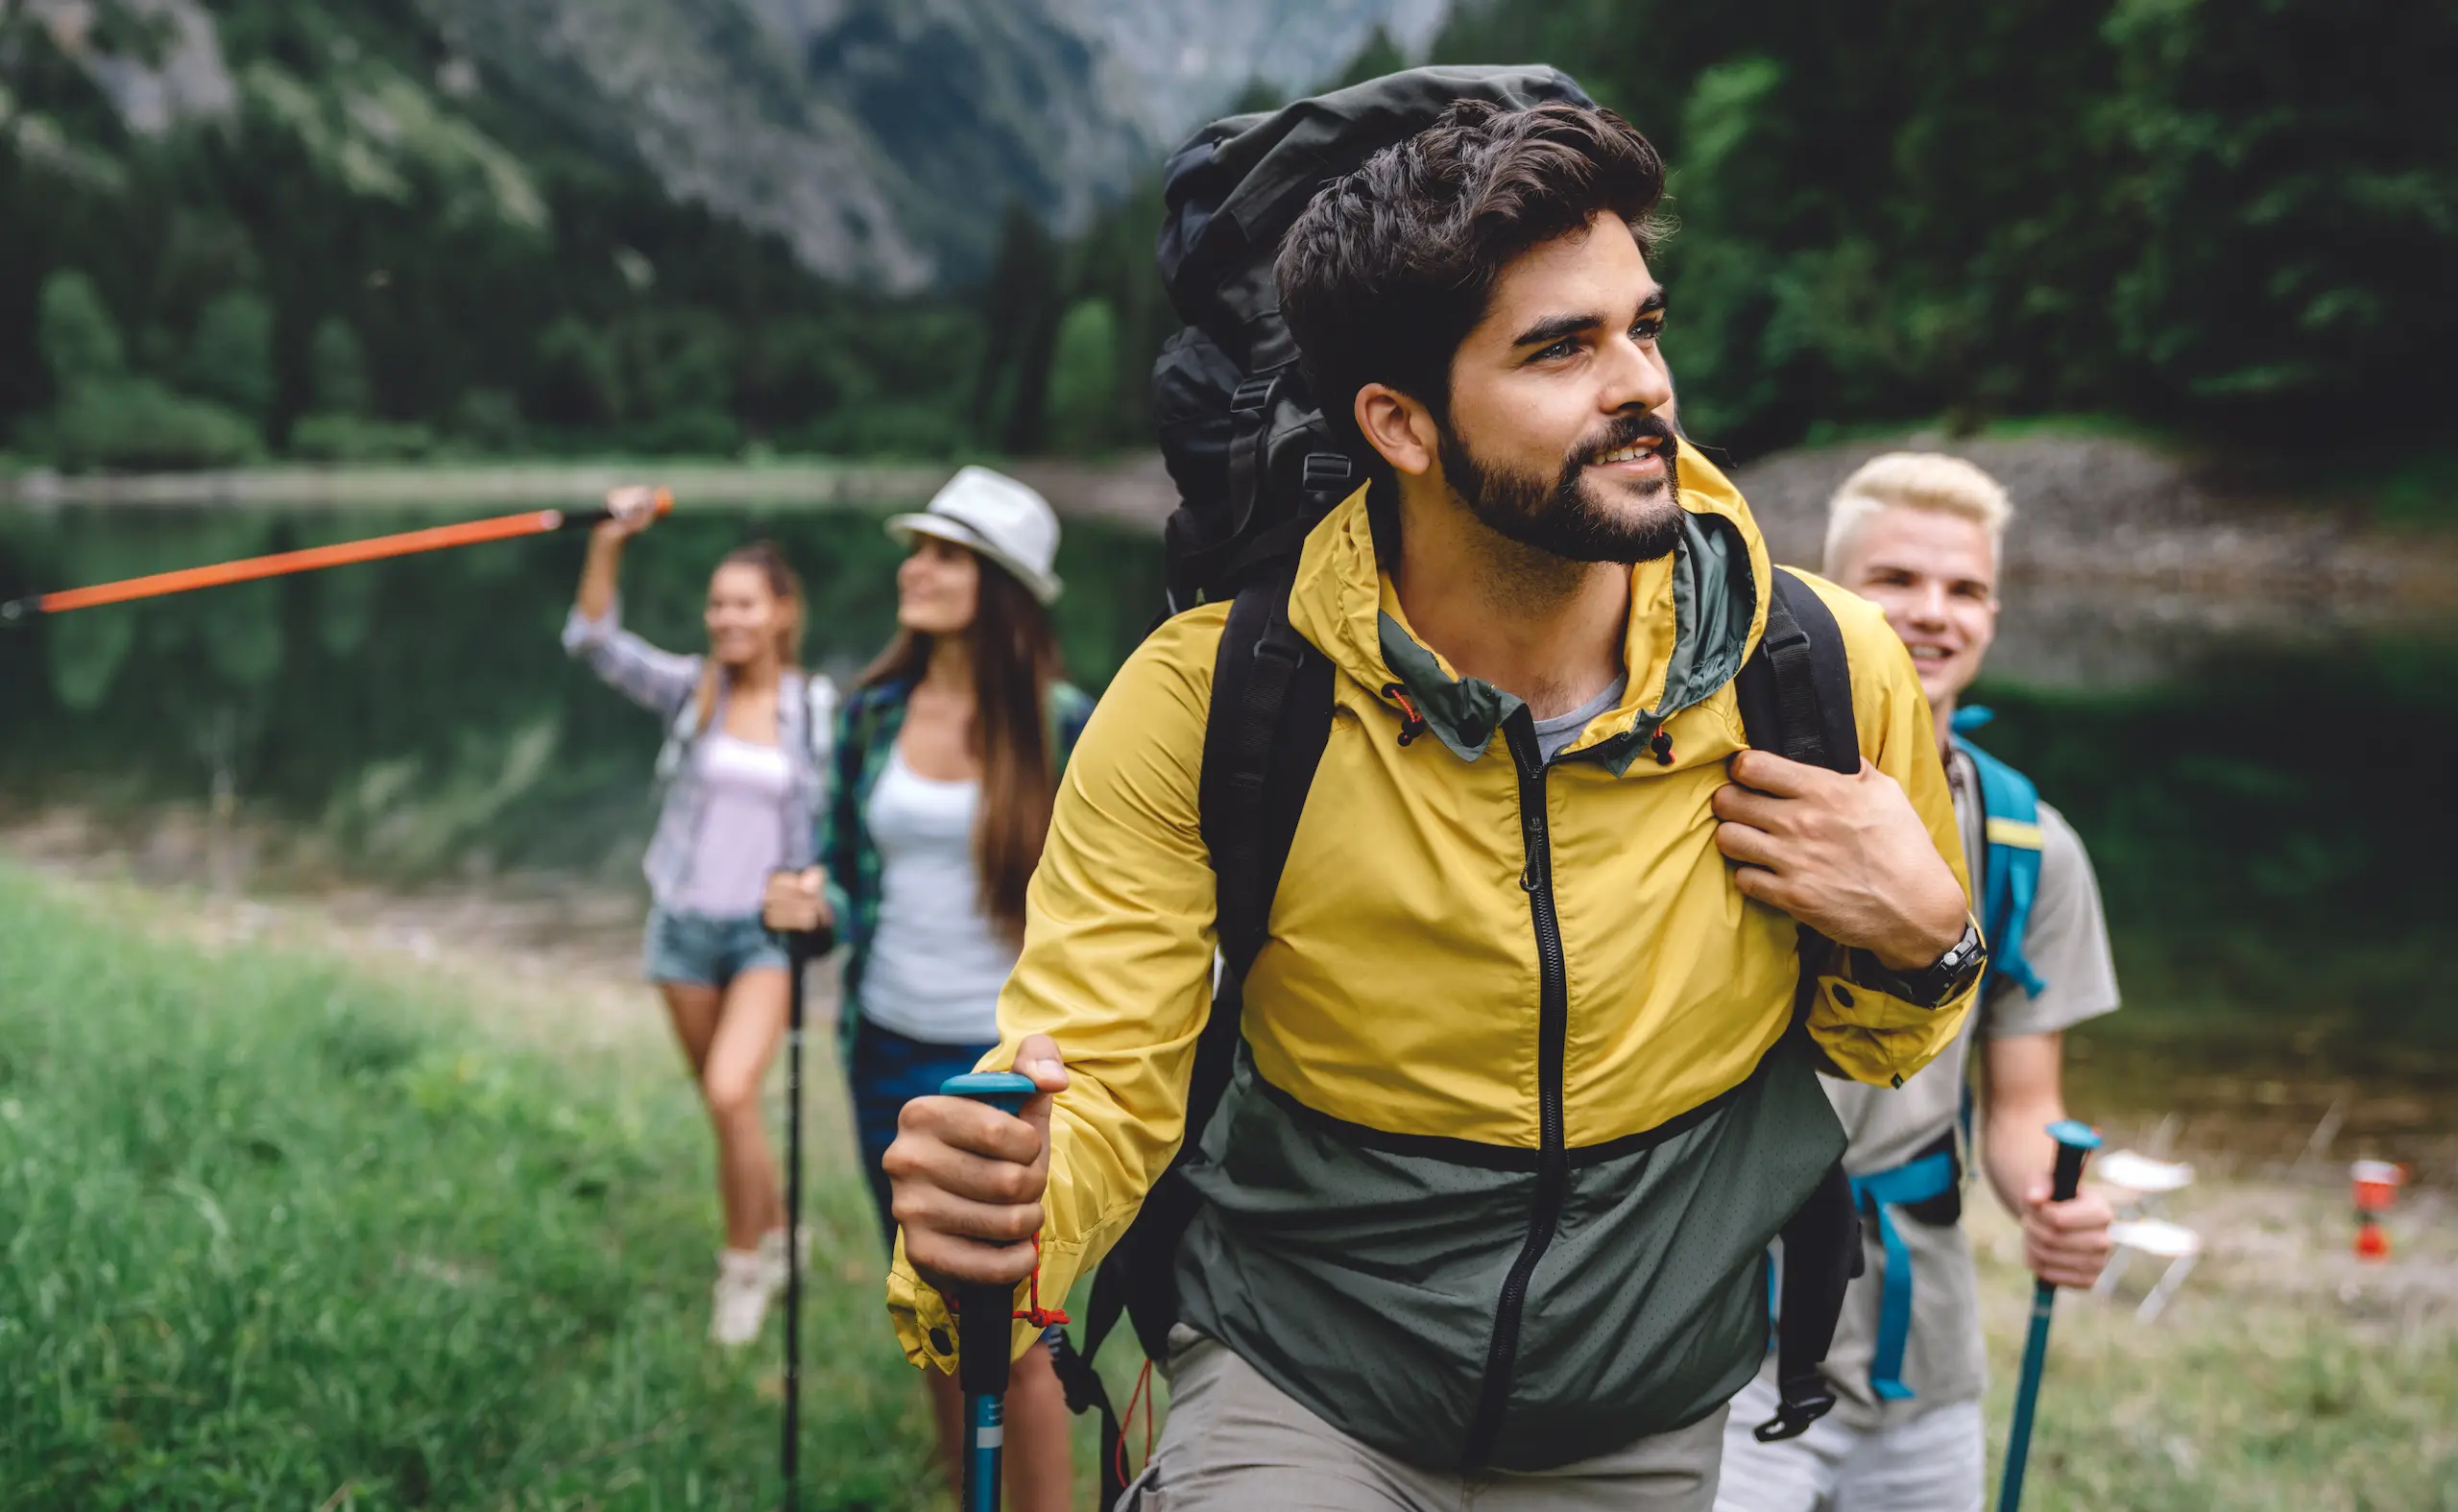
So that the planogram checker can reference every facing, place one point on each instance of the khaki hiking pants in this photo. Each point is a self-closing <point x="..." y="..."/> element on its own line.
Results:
<point x="1236" y="1443"/>
<point x="1930" y="1461"/>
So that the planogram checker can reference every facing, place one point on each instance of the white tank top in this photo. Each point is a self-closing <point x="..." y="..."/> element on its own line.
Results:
<point x="936" y="964"/>
<point x="741" y="837"/>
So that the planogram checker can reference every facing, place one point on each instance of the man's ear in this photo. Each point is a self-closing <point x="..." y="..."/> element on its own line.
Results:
<point x="1399" y="427"/>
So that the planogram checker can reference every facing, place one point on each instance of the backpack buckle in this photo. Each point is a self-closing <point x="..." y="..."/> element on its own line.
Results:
<point x="1803" y="1403"/>
<point x="1328" y="472"/>
<point x="1253" y="396"/>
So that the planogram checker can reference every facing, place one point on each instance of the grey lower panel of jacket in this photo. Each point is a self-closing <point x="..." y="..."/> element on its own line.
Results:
<point x="1362" y="1273"/>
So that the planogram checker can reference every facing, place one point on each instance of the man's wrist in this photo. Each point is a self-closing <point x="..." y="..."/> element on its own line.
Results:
<point x="1932" y="984"/>
<point x="1917" y="952"/>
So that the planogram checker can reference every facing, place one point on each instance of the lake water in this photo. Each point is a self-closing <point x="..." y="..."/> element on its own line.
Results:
<point x="2264" y="796"/>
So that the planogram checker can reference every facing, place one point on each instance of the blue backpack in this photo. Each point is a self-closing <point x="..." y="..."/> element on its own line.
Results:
<point x="1929" y="1186"/>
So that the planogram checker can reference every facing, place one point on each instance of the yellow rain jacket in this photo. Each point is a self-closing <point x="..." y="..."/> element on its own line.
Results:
<point x="1517" y="1113"/>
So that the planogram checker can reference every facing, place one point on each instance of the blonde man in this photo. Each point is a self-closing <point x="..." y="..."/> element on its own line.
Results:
<point x="1920" y="533"/>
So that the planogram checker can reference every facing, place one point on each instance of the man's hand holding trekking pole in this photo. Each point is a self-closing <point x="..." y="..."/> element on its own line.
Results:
<point x="968" y="1179"/>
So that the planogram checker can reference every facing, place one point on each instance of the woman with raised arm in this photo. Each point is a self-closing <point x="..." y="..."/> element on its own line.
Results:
<point x="946" y="760"/>
<point x="746" y="741"/>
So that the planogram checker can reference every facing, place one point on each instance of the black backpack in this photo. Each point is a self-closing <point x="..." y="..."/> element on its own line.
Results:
<point x="1256" y="469"/>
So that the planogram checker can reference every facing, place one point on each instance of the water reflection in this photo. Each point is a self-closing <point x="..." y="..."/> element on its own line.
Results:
<point x="417" y="715"/>
<point x="2262" y="784"/>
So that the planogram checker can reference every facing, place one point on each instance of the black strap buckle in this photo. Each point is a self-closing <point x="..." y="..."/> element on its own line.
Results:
<point x="1253" y="395"/>
<point x="1326" y="471"/>
<point x="1802" y="1404"/>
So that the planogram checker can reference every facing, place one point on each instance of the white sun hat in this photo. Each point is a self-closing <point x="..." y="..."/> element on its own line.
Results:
<point x="998" y="516"/>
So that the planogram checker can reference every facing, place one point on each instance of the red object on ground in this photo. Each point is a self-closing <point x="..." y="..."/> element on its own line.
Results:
<point x="2376" y="1191"/>
<point x="2376" y="1184"/>
<point x="2371" y="1243"/>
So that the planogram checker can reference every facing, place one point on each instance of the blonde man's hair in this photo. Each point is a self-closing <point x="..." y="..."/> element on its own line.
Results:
<point x="1926" y="480"/>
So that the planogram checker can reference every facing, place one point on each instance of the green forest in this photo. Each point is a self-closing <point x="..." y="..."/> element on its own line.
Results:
<point x="2232" y="221"/>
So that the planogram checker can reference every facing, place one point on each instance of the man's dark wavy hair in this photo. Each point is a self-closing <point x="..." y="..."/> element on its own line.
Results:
<point x="1386" y="271"/>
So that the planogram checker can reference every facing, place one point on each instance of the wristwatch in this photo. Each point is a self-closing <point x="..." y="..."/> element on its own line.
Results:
<point x="1935" y="985"/>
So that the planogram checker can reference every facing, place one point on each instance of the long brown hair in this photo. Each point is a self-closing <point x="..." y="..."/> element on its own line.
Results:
<point x="1014" y="663"/>
<point x="787" y="589"/>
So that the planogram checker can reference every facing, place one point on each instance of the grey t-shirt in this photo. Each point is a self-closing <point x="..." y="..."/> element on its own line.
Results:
<point x="2066" y="943"/>
<point x="1551" y="734"/>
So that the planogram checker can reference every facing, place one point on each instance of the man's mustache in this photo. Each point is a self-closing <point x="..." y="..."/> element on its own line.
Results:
<point x="1626" y="430"/>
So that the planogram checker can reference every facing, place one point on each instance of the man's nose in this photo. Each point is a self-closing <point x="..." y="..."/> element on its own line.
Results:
<point x="1929" y="606"/>
<point x="1633" y="378"/>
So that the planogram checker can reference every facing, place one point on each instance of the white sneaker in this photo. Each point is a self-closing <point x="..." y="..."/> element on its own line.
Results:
<point x="772" y="1252"/>
<point x="744" y="1284"/>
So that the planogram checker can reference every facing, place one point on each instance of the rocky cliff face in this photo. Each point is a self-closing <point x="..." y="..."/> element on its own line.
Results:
<point x="884" y="138"/>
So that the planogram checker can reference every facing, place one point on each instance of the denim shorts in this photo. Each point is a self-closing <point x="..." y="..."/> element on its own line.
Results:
<point x="888" y="1070"/>
<point x="706" y="952"/>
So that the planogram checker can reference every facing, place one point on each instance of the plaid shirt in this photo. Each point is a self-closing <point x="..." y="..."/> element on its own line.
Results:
<point x="664" y="683"/>
<point x="866" y="732"/>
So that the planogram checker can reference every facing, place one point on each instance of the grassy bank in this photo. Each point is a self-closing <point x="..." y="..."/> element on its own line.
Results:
<point x="278" y="1233"/>
<point x="2286" y="1377"/>
<point x="284" y="1225"/>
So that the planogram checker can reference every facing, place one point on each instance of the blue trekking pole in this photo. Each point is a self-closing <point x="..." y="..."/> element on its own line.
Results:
<point x="985" y="1323"/>
<point x="2075" y="1140"/>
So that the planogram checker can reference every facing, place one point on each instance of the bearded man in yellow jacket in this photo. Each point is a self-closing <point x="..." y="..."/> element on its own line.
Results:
<point x="1484" y="1207"/>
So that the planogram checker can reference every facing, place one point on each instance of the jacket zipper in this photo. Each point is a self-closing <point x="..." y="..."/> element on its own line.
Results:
<point x="1553" y="1031"/>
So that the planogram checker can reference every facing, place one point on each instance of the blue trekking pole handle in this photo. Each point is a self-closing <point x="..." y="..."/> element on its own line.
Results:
<point x="985" y="1322"/>
<point x="2075" y="1140"/>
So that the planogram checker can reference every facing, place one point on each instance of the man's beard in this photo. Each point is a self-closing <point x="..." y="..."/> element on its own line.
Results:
<point x="1563" y="516"/>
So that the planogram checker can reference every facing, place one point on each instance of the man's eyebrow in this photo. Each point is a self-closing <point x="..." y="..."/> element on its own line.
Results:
<point x="1554" y="327"/>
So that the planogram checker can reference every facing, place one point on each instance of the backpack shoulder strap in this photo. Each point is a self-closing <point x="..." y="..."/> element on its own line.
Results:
<point x="1796" y="695"/>
<point x="1264" y="735"/>
<point x="1270" y="715"/>
<point x="819" y="720"/>
<point x="2010" y="870"/>
<point x="1795" y="689"/>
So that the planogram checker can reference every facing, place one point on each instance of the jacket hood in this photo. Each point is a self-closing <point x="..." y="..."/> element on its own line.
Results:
<point x="1694" y="616"/>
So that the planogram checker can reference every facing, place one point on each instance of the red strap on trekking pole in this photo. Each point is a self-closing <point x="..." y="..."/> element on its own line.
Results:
<point x="1032" y="1312"/>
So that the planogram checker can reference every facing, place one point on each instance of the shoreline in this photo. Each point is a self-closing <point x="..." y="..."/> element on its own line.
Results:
<point x="1131" y="490"/>
<point x="2240" y="1105"/>
<point x="2093" y="511"/>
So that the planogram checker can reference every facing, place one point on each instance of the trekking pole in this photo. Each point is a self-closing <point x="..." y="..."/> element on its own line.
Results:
<point x="2075" y="1140"/>
<point x="802" y="947"/>
<point x="985" y="1323"/>
<point x="283" y="564"/>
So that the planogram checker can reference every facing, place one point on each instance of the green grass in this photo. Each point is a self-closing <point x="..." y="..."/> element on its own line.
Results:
<point x="275" y="1233"/>
<point x="277" y="1230"/>
<point x="2286" y="1377"/>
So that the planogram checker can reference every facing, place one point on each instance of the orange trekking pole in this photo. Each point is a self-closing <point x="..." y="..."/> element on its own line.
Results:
<point x="281" y="564"/>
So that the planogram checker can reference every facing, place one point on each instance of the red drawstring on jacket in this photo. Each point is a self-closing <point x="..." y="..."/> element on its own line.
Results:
<point x="1411" y="722"/>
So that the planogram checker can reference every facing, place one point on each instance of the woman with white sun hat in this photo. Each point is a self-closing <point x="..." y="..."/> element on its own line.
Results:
<point x="948" y="754"/>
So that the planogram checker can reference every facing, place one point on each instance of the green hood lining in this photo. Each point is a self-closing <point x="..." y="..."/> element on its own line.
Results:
<point x="1715" y="600"/>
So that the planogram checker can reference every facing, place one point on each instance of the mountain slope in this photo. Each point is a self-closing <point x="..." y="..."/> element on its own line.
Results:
<point x="882" y="138"/>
